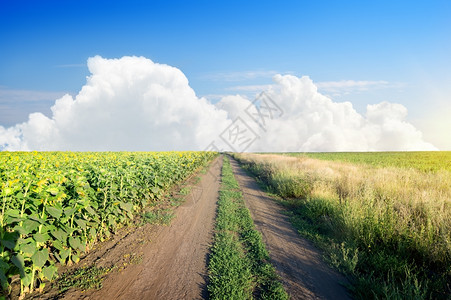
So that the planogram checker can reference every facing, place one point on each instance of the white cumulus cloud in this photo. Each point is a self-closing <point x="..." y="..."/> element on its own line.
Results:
<point x="130" y="103"/>
<point x="310" y="121"/>
<point x="135" y="104"/>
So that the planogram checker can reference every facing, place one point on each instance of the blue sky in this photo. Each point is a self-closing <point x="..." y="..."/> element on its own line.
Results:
<point x="359" y="51"/>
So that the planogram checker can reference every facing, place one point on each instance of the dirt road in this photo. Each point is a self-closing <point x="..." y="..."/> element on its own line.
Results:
<point x="304" y="275"/>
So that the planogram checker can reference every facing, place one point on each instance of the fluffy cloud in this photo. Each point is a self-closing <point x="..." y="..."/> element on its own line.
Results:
<point x="310" y="121"/>
<point x="130" y="103"/>
<point x="133" y="103"/>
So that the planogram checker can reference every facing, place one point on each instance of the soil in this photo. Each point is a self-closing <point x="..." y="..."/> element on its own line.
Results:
<point x="158" y="262"/>
<point x="298" y="263"/>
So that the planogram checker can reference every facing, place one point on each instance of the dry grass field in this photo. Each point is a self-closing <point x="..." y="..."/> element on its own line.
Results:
<point x="388" y="227"/>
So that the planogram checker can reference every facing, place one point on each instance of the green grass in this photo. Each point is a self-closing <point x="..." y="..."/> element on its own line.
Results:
<point x="158" y="216"/>
<point x="388" y="229"/>
<point x="83" y="278"/>
<point x="239" y="265"/>
<point x="176" y="201"/>
<point x="185" y="190"/>
<point x="427" y="161"/>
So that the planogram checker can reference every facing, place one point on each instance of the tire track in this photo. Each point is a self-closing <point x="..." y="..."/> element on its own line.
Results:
<point x="299" y="264"/>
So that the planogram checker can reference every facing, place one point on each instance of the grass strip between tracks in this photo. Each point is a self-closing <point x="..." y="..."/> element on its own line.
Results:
<point x="239" y="265"/>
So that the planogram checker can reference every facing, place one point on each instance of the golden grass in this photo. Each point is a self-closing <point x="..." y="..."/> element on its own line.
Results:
<point x="405" y="211"/>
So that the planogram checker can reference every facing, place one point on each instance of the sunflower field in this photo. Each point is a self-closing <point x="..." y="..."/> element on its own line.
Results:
<point x="56" y="205"/>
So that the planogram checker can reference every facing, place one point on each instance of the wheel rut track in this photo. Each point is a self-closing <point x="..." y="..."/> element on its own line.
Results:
<point x="304" y="275"/>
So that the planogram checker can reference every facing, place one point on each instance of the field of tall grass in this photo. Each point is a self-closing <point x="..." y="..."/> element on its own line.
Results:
<point x="388" y="228"/>
<point x="427" y="161"/>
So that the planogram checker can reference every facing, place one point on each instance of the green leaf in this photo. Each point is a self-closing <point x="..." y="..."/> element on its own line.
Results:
<point x="82" y="246"/>
<point x="9" y="240"/>
<point x="40" y="238"/>
<point x="29" y="249"/>
<point x="4" y="266"/>
<point x="60" y="235"/>
<point x="58" y="257"/>
<point x="90" y="210"/>
<point x="54" y="212"/>
<point x="40" y="258"/>
<point x="47" y="228"/>
<point x="111" y="221"/>
<point x="81" y="223"/>
<point x="21" y="241"/>
<point x="69" y="230"/>
<point x="12" y="220"/>
<point x="57" y="244"/>
<point x="53" y="191"/>
<point x="26" y="279"/>
<point x="3" y="280"/>
<point x="30" y="225"/>
<point x="15" y="213"/>
<point x="49" y="272"/>
<point x="36" y="202"/>
<point x="20" y="229"/>
<point x="70" y="211"/>
<point x="75" y="258"/>
<point x="36" y="218"/>
<point x="127" y="206"/>
<point x="7" y="191"/>
<point x="64" y="254"/>
<point x="93" y="232"/>
<point x="74" y="242"/>
<point x="19" y="262"/>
